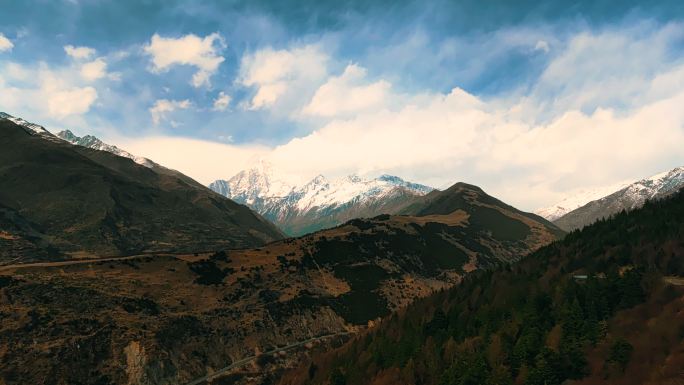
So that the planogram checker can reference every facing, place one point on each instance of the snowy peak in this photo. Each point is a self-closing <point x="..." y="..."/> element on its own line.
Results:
<point x="657" y="186"/>
<point x="255" y="184"/>
<point x="665" y="182"/>
<point x="633" y="194"/>
<point x="318" y="200"/>
<point x="88" y="141"/>
<point x="95" y="143"/>
<point x="629" y="197"/>
<point x="578" y="200"/>
<point x="31" y="128"/>
<point x="395" y="180"/>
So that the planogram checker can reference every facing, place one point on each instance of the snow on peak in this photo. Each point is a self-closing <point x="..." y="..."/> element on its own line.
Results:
<point x="634" y="194"/>
<point x="31" y="128"/>
<point x="263" y="189"/>
<point x="95" y="143"/>
<point x="68" y="136"/>
<point x="578" y="200"/>
<point x="249" y="186"/>
<point x="658" y="185"/>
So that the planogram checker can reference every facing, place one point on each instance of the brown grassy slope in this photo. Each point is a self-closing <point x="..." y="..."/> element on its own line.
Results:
<point x="180" y="317"/>
<point x="61" y="197"/>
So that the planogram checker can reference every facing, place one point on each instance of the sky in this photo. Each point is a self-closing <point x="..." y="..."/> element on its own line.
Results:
<point x="531" y="100"/>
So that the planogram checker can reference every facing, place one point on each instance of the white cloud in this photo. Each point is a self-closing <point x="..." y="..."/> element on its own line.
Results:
<point x="79" y="53"/>
<point x="202" y="53"/>
<point x="52" y="93"/>
<point x="94" y="70"/>
<point x="347" y="93"/>
<point x="287" y="77"/>
<point x="542" y="45"/>
<point x="529" y="153"/>
<point x="205" y="161"/>
<point x="604" y="69"/>
<point x="222" y="101"/>
<point x="74" y="101"/>
<point x="5" y="43"/>
<point x="90" y="70"/>
<point x="164" y="106"/>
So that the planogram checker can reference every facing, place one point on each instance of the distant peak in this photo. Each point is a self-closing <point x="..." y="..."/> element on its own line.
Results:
<point x="319" y="179"/>
<point x="68" y="136"/>
<point x="465" y="186"/>
<point x="354" y="178"/>
<point x="391" y="179"/>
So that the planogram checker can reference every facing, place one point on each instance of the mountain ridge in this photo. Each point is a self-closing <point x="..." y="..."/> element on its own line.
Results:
<point x="76" y="199"/>
<point x="319" y="202"/>
<point x="630" y="197"/>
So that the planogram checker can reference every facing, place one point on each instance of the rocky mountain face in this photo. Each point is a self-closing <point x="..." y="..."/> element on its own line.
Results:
<point x="319" y="203"/>
<point x="161" y="319"/>
<point x="629" y="197"/>
<point x="61" y="200"/>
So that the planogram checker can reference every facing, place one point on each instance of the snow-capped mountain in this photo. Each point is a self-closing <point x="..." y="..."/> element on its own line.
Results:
<point x="577" y="200"/>
<point x="31" y="128"/>
<point x="318" y="203"/>
<point x="88" y="141"/>
<point x="629" y="197"/>
<point x="96" y="144"/>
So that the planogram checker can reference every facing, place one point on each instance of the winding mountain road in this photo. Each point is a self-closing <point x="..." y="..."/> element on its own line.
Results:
<point x="75" y="262"/>
<point x="245" y="360"/>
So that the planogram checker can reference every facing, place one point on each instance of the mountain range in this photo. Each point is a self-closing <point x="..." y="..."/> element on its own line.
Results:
<point x="583" y="209"/>
<point x="319" y="203"/>
<point x="115" y="269"/>
<point x="95" y="143"/>
<point x="174" y="318"/>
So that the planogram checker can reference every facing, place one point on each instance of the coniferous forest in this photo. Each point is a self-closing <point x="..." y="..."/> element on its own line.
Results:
<point x="602" y="305"/>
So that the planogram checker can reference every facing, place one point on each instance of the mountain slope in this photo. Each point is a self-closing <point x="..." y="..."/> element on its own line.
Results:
<point x="179" y="317"/>
<point x="484" y="210"/>
<point x="627" y="198"/>
<point x="604" y="305"/>
<point x="76" y="199"/>
<point x="319" y="203"/>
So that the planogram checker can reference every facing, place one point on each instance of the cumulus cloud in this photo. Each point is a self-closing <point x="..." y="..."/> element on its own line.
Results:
<point x="603" y="69"/>
<point x="199" y="52"/>
<point x="222" y="101"/>
<point x="162" y="107"/>
<point x="55" y="93"/>
<point x="79" y="53"/>
<point x="73" y="101"/>
<point x="347" y="93"/>
<point x="574" y="129"/>
<point x="94" y="70"/>
<point x="459" y="137"/>
<point x="5" y="43"/>
<point x="283" y="77"/>
<point x="210" y="160"/>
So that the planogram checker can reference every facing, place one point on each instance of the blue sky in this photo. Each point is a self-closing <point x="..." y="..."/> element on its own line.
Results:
<point x="532" y="100"/>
